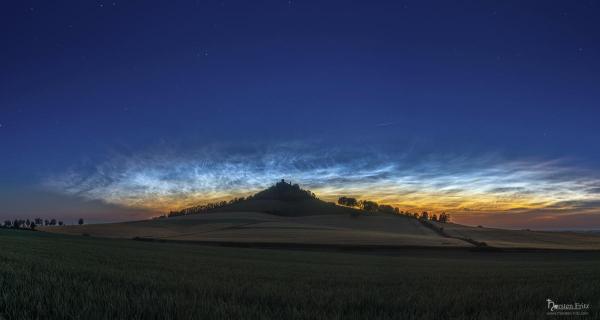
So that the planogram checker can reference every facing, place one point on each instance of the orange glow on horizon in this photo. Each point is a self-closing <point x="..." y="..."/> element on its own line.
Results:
<point x="413" y="202"/>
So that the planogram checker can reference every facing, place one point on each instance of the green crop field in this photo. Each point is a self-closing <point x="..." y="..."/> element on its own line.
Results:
<point x="72" y="277"/>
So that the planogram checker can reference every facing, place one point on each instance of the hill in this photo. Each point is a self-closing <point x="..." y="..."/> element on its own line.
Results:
<point x="285" y="214"/>
<point x="281" y="199"/>
<point x="281" y="214"/>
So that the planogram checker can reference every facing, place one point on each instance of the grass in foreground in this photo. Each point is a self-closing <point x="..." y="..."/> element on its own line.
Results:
<point x="54" y="276"/>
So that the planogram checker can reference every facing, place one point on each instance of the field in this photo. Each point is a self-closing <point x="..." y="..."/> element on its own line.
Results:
<point x="46" y="275"/>
<point x="262" y="227"/>
<point x="327" y="229"/>
<point x="502" y="238"/>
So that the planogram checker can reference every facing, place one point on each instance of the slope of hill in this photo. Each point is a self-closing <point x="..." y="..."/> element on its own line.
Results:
<point x="255" y="227"/>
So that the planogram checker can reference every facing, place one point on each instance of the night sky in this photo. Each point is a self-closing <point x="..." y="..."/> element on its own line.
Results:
<point x="120" y="110"/>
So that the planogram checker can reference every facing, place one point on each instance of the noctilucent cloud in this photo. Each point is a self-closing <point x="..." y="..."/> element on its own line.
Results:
<point x="119" y="110"/>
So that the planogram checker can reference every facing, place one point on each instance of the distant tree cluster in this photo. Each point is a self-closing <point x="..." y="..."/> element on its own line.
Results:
<point x="31" y="224"/>
<point x="425" y="216"/>
<point x="372" y="206"/>
<point x="366" y="205"/>
<point x="384" y="208"/>
<point x="348" y="202"/>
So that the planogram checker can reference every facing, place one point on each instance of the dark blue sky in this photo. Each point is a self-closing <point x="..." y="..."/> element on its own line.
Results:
<point x="83" y="80"/>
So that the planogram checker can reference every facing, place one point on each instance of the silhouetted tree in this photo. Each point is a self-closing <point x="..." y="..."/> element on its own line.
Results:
<point x="424" y="215"/>
<point x="53" y="222"/>
<point x="434" y="217"/>
<point x="367" y="205"/>
<point x="32" y="225"/>
<point x="80" y="221"/>
<point x="7" y="223"/>
<point x="346" y="201"/>
<point x="444" y="217"/>
<point x="384" y="208"/>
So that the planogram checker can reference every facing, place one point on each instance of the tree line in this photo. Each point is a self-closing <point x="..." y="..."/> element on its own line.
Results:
<point x="372" y="206"/>
<point x="203" y="208"/>
<point x="33" y="223"/>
